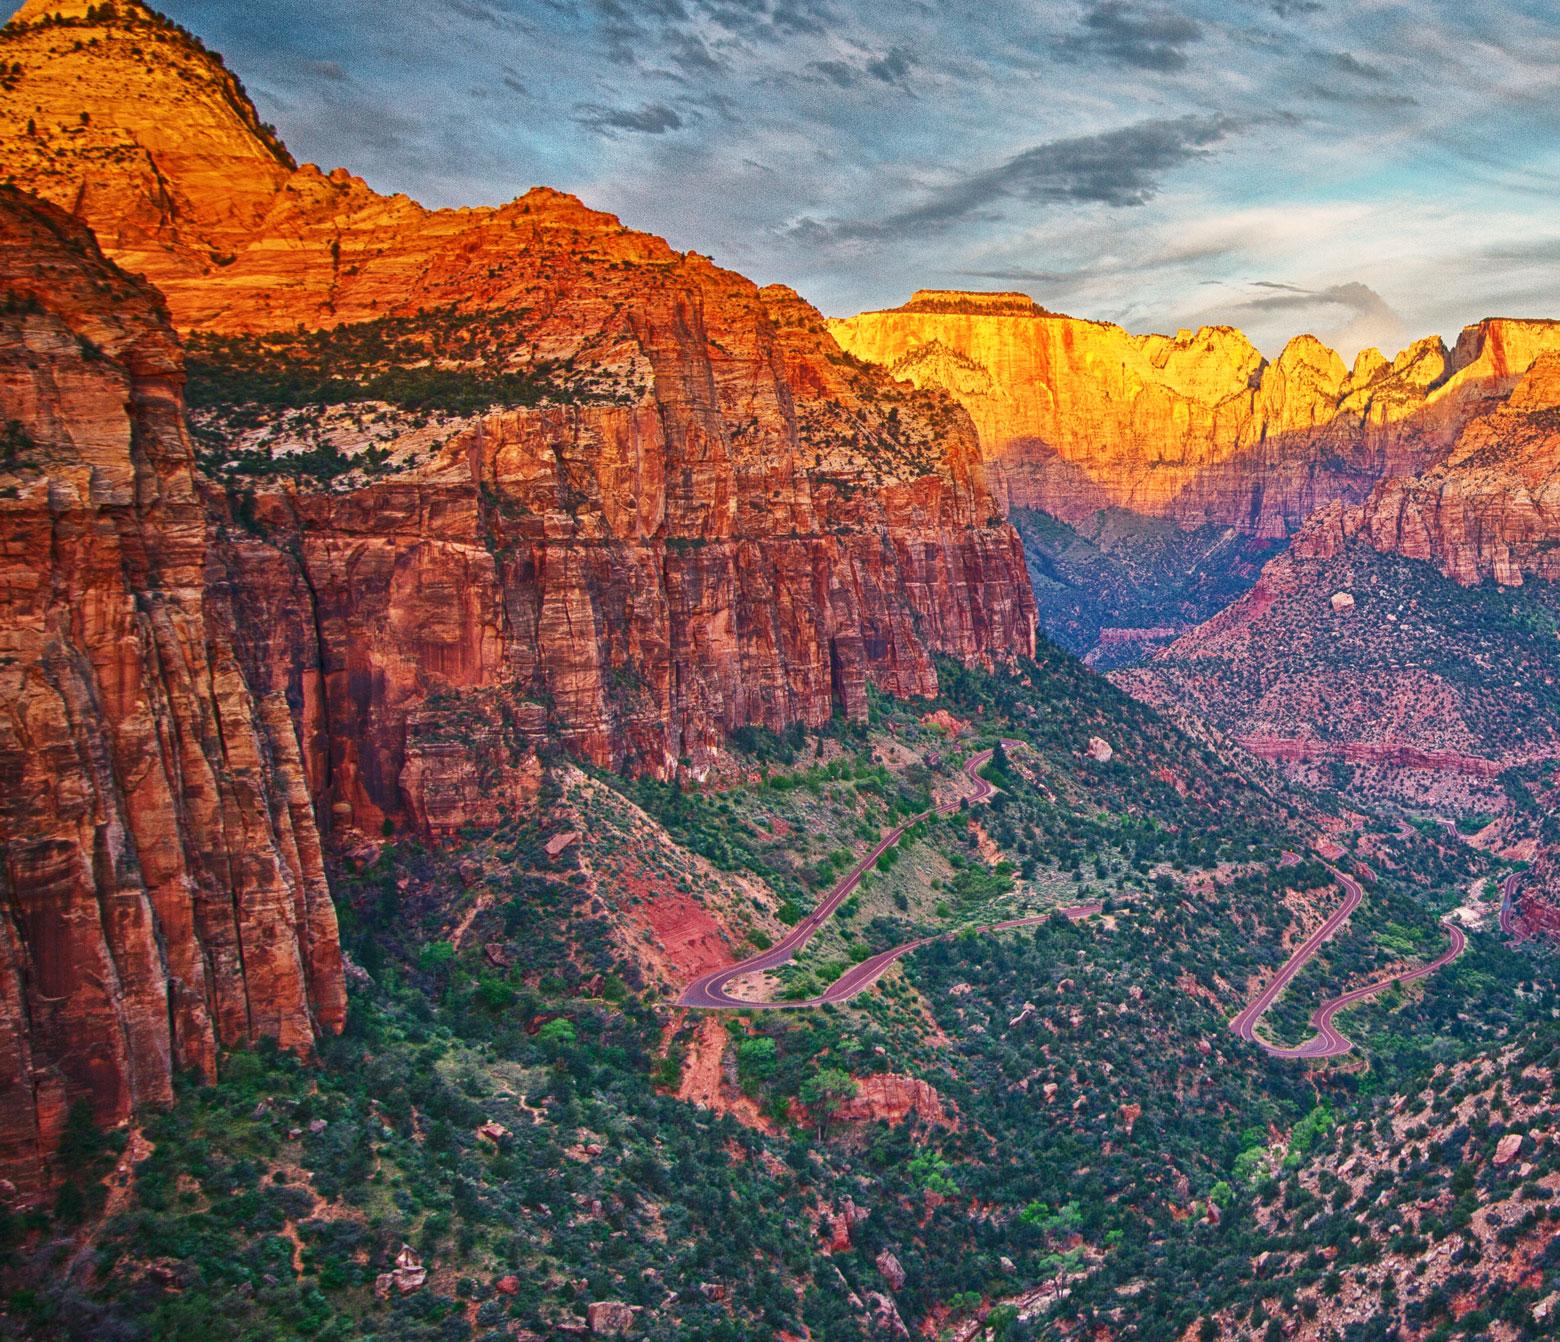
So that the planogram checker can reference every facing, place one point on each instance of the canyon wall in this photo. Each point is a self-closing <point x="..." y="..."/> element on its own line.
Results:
<point x="162" y="886"/>
<point x="1354" y="648"/>
<point x="1077" y="415"/>
<point x="711" y="517"/>
<point x="754" y="538"/>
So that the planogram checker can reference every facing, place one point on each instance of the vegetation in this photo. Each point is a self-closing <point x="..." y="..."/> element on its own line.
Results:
<point x="505" y="1100"/>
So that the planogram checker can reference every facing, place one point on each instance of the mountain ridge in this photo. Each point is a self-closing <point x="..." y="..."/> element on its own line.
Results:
<point x="1077" y="415"/>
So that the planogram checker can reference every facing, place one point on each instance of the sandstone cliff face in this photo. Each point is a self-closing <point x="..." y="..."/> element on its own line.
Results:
<point x="1491" y="509"/>
<point x="162" y="882"/>
<point x="1351" y="649"/>
<point x="756" y="538"/>
<point x="720" y="519"/>
<point x="1079" y="415"/>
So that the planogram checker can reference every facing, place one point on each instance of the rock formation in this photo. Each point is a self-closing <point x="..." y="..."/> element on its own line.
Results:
<point x="1491" y="508"/>
<point x="1350" y="649"/>
<point x="1078" y="415"/>
<point x="713" y="519"/>
<point x="163" y="887"/>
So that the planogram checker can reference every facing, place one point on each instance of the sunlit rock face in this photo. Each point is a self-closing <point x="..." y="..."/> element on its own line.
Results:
<point x="729" y="522"/>
<point x="1076" y="415"/>
<point x="163" y="883"/>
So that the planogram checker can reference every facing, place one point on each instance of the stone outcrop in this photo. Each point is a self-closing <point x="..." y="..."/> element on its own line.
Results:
<point x="1077" y="415"/>
<point x="720" y="520"/>
<point x="1491" y="508"/>
<point x="163" y="887"/>
<point x="891" y="1098"/>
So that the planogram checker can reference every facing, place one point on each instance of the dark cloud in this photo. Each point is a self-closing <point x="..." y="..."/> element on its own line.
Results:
<point x="333" y="71"/>
<point x="476" y="11"/>
<point x="650" y="119"/>
<point x="893" y="68"/>
<point x="1119" y="168"/>
<point x="1153" y="39"/>
<point x="840" y="73"/>
<point x="1018" y="275"/>
<point x="1353" y="65"/>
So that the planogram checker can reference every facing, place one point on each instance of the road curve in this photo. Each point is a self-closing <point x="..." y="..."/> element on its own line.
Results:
<point x="709" y="990"/>
<point x="1328" y="1041"/>
<point x="1508" y="905"/>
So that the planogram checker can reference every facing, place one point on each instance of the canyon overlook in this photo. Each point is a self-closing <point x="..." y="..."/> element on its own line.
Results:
<point x="679" y="505"/>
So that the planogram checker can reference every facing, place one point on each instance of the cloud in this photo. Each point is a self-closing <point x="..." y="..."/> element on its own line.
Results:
<point x="1117" y="167"/>
<point x="1370" y="319"/>
<point x="1353" y="65"/>
<point x="1154" y="39"/>
<point x="650" y="119"/>
<point x="893" y="67"/>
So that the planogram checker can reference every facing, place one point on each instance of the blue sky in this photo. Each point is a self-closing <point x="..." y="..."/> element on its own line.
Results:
<point x="1364" y="169"/>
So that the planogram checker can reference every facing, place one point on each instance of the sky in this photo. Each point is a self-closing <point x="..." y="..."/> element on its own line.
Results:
<point x="1366" y="170"/>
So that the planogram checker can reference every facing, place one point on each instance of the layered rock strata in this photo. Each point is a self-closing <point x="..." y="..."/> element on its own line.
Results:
<point x="1078" y="415"/>
<point x="162" y="884"/>
<point x="713" y="518"/>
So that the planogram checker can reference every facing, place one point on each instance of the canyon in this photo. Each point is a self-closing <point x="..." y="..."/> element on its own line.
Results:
<point x="629" y="683"/>
<point x="710" y="519"/>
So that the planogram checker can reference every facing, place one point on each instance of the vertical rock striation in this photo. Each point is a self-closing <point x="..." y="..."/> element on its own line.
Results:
<point x="162" y="892"/>
<point x="1079" y="415"/>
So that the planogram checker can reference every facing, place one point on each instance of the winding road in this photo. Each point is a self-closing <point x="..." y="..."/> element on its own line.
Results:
<point x="1328" y="1041"/>
<point x="1508" y="905"/>
<point x="709" y="990"/>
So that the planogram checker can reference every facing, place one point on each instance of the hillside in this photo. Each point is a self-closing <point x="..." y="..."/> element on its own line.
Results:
<point x="1023" y="1131"/>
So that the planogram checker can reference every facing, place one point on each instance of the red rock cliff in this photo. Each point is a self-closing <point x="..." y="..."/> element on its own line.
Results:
<point x="754" y="534"/>
<point x="724" y="521"/>
<point x="162" y="882"/>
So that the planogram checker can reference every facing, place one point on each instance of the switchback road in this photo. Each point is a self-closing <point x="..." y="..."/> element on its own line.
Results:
<point x="1328" y="1042"/>
<point x="709" y="990"/>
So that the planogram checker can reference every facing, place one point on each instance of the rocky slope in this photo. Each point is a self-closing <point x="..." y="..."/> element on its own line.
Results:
<point x="1376" y="664"/>
<point x="1435" y="1219"/>
<point x="1353" y="648"/>
<point x="676" y="509"/>
<point x="1199" y="427"/>
<point x="163" y="886"/>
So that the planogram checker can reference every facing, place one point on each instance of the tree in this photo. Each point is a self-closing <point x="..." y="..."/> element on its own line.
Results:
<point x="824" y="1092"/>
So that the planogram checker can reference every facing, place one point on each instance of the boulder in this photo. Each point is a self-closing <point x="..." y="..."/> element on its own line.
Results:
<point x="883" y="1317"/>
<point x="888" y="1266"/>
<point x="609" y="1318"/>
